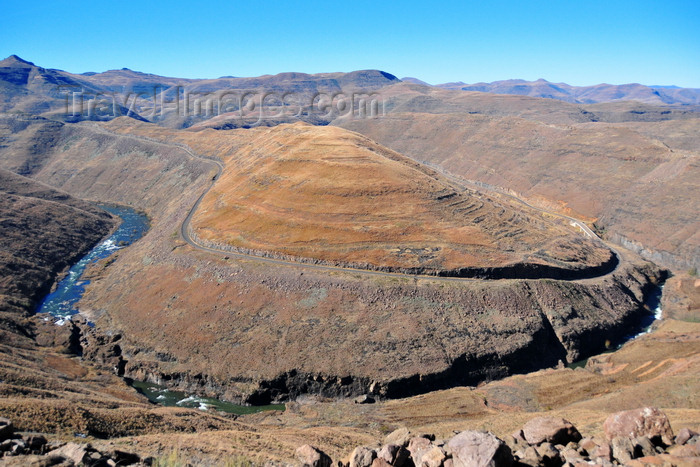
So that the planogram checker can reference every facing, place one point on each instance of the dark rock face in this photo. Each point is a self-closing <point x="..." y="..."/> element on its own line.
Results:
<point x="6" y="428"/>
<point x="66" y="337"/>
<point x="555" y="339"/>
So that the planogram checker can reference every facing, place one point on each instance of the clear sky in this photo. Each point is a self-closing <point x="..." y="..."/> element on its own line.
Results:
<point x="577" y="42"/>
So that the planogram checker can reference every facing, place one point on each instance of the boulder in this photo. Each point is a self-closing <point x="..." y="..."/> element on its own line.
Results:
<point x="602" y="451"/>
<point x="388" y="452"/>
<point x="646" y="421"/>
<point x="551" y="430"/>
<point x="400" y="437"/>
<point x="549" y="454"/>
<point x="362" y="456"/>
<point x="622" y="449"/>
<point x="434" y="457"/>
<point x="588" y="445"/>
<point x="123" y="457"/>
<point x="72" y="451"/>
<point x="18" y="447"/>
<point x="310" y="456"/>
<point x="479" y="449"/>
<point x="688" y="450"/>
<point x="35" y="442"/>
<point x="417" y="447"/>
<point x="571" y="456"/>
<point x="6" y="428"/>
<point x="684" y="435"/>
<point x="529" y="456"/>
<point x="643" y="447"/>
<point x="394" y="454"/>
<point x="380" y="463"/>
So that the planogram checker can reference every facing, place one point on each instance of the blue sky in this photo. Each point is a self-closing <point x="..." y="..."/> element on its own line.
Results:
<point x="577" y="42"/>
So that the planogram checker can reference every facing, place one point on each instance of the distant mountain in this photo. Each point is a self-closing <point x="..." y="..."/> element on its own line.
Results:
<point x="128" y="80"/>
<point x="27" y="88"/>
<point x="175" y="102"/>
<point x="585" y="94"/>
<point x="409" y="79"/>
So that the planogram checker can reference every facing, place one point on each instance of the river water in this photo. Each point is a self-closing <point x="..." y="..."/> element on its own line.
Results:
<point x="653" y="303"/>
<point x="61" y="303"/>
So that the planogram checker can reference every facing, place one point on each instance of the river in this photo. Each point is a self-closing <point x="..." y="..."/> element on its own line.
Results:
<point x="653" y="304"/>
<point x="62" y="304"/>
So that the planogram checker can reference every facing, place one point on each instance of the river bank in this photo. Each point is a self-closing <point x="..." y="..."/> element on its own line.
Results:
<point x="127" y="359"/>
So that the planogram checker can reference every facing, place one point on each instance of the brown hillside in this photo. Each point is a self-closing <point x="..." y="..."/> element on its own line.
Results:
<point x="628" y="177"/>
<point x="328" y="194"/>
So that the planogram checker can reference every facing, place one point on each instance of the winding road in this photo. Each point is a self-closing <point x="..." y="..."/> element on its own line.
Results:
<point x="187" y="237"/>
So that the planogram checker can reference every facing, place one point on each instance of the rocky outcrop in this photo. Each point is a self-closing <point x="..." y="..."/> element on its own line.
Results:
<point x="542" y="442"/>
<point x="22" y="449"/>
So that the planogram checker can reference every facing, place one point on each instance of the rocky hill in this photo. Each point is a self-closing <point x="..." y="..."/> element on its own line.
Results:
<point x="175" y="102"/>
<point x="27" y="88"/>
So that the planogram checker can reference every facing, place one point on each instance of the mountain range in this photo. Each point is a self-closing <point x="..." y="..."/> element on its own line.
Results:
<point x="658" y="95"/>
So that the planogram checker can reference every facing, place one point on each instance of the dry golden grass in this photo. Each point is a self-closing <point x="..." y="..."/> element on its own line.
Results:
<point x="330" y="194"/>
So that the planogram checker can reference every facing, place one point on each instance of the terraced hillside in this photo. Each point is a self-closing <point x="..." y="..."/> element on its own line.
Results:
<point x="339" y="198"/>
<point x="637" y="180"/>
